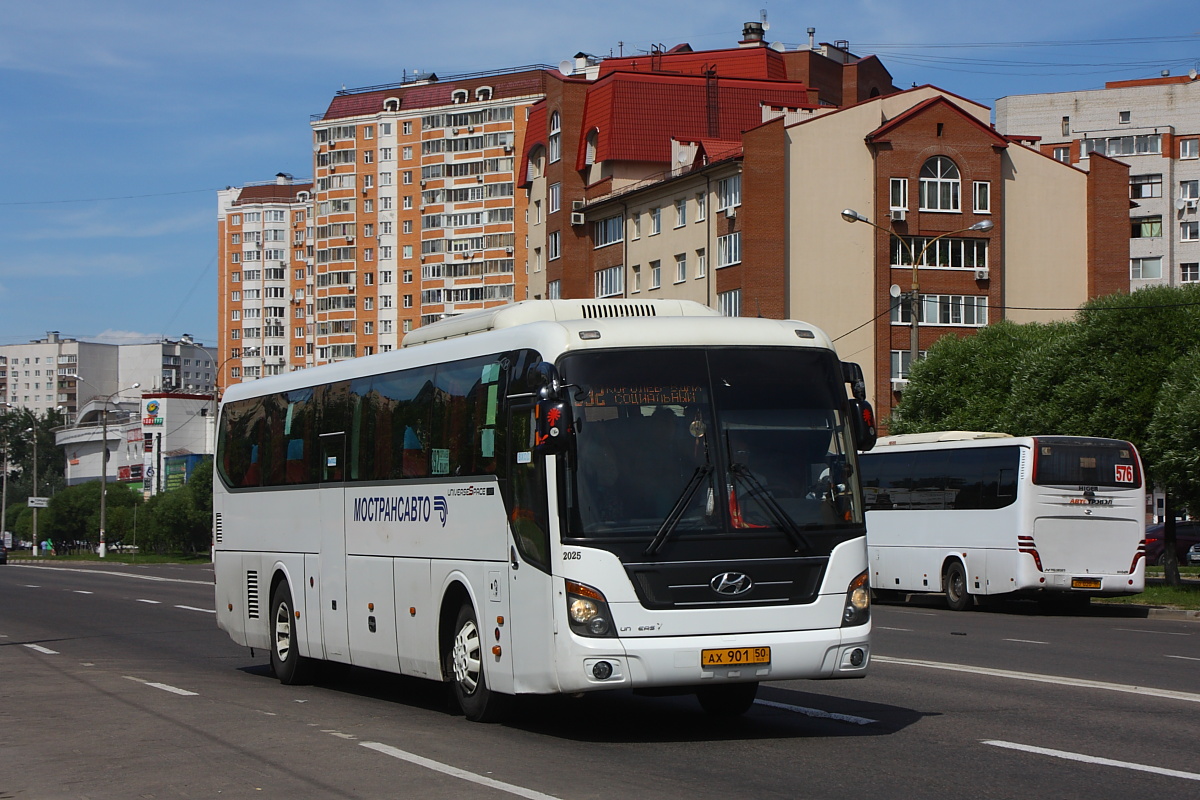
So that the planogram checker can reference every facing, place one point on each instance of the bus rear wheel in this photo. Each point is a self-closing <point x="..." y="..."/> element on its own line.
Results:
<point x="286" y="662"/>
<point x="465" y="663"/>
<point x="727" y="699"/>
<point x="957" y="596"/>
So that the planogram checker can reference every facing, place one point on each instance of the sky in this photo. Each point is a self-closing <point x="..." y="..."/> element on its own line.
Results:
<point x="124" y="118"/>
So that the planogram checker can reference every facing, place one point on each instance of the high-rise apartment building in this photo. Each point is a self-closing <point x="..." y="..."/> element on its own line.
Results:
<point x="1152" y="125"/>
<point x="266" y="281"/>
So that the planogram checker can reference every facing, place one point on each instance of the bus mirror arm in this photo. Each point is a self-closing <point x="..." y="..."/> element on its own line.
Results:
<point x="543" y="377"/>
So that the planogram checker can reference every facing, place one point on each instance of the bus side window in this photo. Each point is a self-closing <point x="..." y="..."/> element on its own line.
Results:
<point x="526" y="500"/>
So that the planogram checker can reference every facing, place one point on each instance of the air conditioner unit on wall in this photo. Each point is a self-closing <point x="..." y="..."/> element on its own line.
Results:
<point x="731" y="212"/>
<point x="899" y="214"/>
<point x="1190" y="203"/>
<point x="577" y="205"/>
<point x="578" y="218"/>
<point x="982" y="274"/>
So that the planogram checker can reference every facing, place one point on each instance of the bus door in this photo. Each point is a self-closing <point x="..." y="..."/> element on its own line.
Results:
<point x="333" y="547"/>
<point x="530" y="589"/>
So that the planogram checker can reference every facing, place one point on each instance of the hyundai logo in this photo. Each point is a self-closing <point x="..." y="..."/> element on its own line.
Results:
<point x="731" y="583"/>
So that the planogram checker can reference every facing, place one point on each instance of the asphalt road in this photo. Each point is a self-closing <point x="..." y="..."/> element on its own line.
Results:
<point x="115" y="682"/>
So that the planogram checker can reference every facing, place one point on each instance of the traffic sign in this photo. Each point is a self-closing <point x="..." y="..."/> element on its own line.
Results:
<point x="39" y="502"/>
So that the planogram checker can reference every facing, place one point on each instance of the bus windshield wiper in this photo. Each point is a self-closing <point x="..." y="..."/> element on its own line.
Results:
<point x="764" y="498"/>
<point x="681" y="505"/>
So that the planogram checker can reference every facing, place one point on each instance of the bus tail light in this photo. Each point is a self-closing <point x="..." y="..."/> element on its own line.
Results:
<point x="858" y="602"/>
<point x="1138" y="556"/>
<point x="1025" y="544"/>
<point x="587" y="611"/>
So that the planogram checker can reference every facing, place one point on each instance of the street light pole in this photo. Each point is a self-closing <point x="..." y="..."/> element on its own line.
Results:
<point x="104" y="469"/>
<point x="914" y="342"/>
<point x="33" y="430"/>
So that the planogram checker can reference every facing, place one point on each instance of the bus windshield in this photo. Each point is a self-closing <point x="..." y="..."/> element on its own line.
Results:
<point x="684" y="443"/>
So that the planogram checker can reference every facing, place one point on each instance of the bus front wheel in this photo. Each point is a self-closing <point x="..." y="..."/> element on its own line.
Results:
<point x="728" y="699"/>
<point x="286" y="662"/>
<point x="957" y="596"/>
<point x="465" y="659"/>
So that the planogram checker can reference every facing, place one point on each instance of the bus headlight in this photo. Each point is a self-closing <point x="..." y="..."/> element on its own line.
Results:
<point x="587" y="611"/>
<point x="858" y="602"/>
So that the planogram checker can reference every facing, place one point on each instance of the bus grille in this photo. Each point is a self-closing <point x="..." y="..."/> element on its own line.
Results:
<point x="788" y="581"/>
<point x="252" y="593"/>
<point x="600" y="311"/>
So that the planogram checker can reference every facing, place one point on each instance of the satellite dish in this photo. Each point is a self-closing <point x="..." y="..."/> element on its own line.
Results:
<point x="566" y="67"/>
<point x="894" y="291"/>
<point x="316" y="148"/>
<point x="1180" y="204"/>
<point x="683" y="156"/>
<point x="778" y="47"/>
<point x="1192" y="74"/>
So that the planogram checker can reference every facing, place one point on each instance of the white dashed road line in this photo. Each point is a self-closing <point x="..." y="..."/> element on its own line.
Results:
<point x="193" y="608"/>
<point x="152" y="602"/>
<point x="1107" y="762"/>
<point x="165" y="687"/>
<point x="455" y="772"/>
<point x="41" y="649"/>
<point x="1026" y="641"/>
<point x="118" y="574"/>
<point x="816" y="712"/>
<point x="1037" y="678"/>
<point x="1185" y="658"/>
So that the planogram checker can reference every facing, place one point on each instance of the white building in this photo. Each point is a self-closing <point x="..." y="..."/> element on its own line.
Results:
<point x="1154" y="126"/>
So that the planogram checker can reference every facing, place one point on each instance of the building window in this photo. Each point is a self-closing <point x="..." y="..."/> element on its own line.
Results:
<point x="899" y="193"/>
<point x="368" y="327"/>
<point x="1189" y="190"/>
<point x="553" y="242"/>
<point x="608" y="230"/>
<point x="408" y="276"/>
<point x="1145" y="268"/>
<point x="1190" y="272"/>
<point x="730" y="303"/>
<point x="406" y="153"/>
<point x="554" y="290"/>
<point x="680" y="267"/>
<point x="636" y="271"/>
<point x="1066" y="126"/>
<point x="554" y="142"/>
<point x="1062" y="154"/>
<point x="944" y="309"/>
<point x="701" y="207"/>
<point x="680" y="213"/>
<point x="655" y="221"/>
<point x="982" y="192"/>
<point x="1189" y="148"/>
<point x="554" y="198"/>
<point x="729" y="192"/>
<point x="701" y="263"/>
<point x="1141" y="186"/>
<point x="1123" y="117"/>
<point x="729" y="249"/>
<point x="1117" y="146"/>
<point x="1146" y="228"/>
<point x="1189" y="231"/>
<point x="610" y="282"/>
<point x="940" y="185"/>
<point x="408" y="301"/>
<point x="406" y="127"/>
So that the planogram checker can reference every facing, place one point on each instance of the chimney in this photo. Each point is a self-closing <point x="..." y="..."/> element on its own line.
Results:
<point x="282" y="178"/>
<point x="812" y="38"/>
<point x="752" y="35"/>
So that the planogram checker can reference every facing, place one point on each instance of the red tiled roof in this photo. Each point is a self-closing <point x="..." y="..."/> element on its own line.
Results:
<point x="737" y="62"/>
<point x="356" y="103"/>
<point x="718" y="149"/>
<point x="535" y="131"/>
<point x="272" y="193"/>
<point x="637" y="114"/>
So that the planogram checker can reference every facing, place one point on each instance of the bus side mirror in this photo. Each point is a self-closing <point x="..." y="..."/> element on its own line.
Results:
<point x="862" y="420"/>
<point x="543" y="378"/>
<point x="552" y="426"/>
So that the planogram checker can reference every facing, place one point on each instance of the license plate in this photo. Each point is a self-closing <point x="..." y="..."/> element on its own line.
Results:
<point x="735" y="656"/>
<point x="1085" y="583"/>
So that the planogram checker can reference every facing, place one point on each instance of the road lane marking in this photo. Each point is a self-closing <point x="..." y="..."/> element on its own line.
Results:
<point x="884" y="628"/>
<point x="914" y="613"/>
<point x="31" y="586"/>
<point x="446" y="769"/>
<point x="1107" y="762"/>
<point x="1026" y="641"/>
<point x="1185" y="658"/>
<point x="110" y="572"/>
<point x="1038" y="678"/>
<point x="816" y="712"/>
<point x="81" y="591"/>
<point x="193" y="608"/>
<point x="164" y="686"/>
<point x="1160" y="633"/>
<point x="41" y="649"/>
<point x="153" y="602"/>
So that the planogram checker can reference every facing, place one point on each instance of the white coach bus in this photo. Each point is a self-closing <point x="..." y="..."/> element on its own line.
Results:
<point x="555" y="496"/>
<point x="1061" y="518"/>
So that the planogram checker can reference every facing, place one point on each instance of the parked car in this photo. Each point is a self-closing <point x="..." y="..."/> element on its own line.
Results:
<point x="1193" y="555"/>
<point x="1187" y="533"/>
<point x="3" y="553"/>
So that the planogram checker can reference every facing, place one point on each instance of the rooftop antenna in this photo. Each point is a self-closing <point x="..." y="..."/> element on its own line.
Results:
<point x="762" y="17"/>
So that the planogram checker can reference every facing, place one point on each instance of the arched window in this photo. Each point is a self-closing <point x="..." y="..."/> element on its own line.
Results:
<point x="391" y="104"/>
<point x="940" y="185"/>
<point x="483" y="93"/>
<point x="459" y="96"/>
<point x="554" y="143"/>
<point x="593" y="139"/>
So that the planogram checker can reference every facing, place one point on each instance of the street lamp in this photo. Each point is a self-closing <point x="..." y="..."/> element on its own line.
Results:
<point x="33" y="431"/>
<point x="983" y="226"/>
<point x="104" y="467"/>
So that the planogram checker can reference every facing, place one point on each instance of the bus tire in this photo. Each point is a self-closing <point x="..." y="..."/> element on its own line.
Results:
<point x="957" y="596"/>
<point x="465" y="658"/>
<point x="727" y="699"/>
<point x="286" y="662"/>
